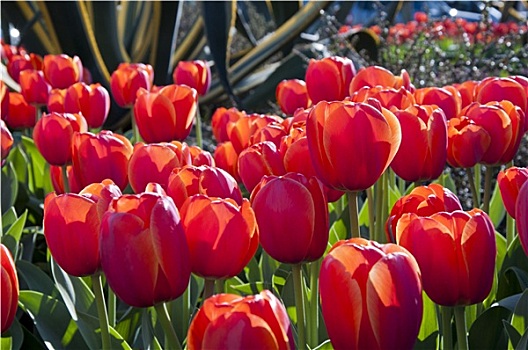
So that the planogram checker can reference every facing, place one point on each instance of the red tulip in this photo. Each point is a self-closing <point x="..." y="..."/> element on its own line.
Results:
<point x="423" y="149"/>
<point x="201" y="157"/>
<point x="261" y="322"/>
<point x="221" y="118"/>
<point x="4" y="97"/>
<point x="372" y="133"/>
<point x="222" y="235"/>
<point x="144" y="234"/>
<point x="213" y="182"/>
<point x="373" y="76"/>
<point x="19" y="63"/>
<point x="71" y="227"/>
<point x="34" y="87"/>
<point x="328" y="79"/>
<point x="467" y="142"/>
<point x="389" y="98"/>
<point x="62" y="71"/>
<point x="521" y="215"/>
<point x="292" y="231"/>
<point x="96" y="157"/>
<point x="467" y="92"/>
<point x="20" y="114"/>
<point x="422" y="201"/>
<point x="93" y="101"/>
<point x="510" y="182"/>
<point x="126" y="81"/>
<point x="53" y="136"/>
<point x="9" y="289"/>
<point x="367" y="291"/>
<point x="240" y="132"/>
<point x="273" y="132"/>
<point x="55" y="101"/>
<point x="58" y="182"/>
<point x="7" y="140"/>
<point x="195" y="74"/>
<point x="449" y="101"/>
<point x="154" y="163"/>
<point x="291" y="95"/>
<point x="166" y="116"/>
<point x="257" y="161"/>
<point x="498" y="89"/>
<point x="226" y="158"/>
<point x="455" y="251"/>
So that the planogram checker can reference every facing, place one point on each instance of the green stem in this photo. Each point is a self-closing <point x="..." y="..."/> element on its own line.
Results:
<point x="477" y="169"/>
<point x="111" y="307"/>
<point x="447" y="336"/>
<point x="384" y="207"/>
<point x="65" y="180"/>
<point x="186" y="302"/>
<point x="220" y="286"/>
<point x="510" y="230"/>
<point x="299" y="305"/>
<point x="135" y="130"/>
<point x="473" y="188"/>
<point x="487" y="189"/>
<point x="377" y="208"/>
<point x="370" y="201"/>
<point x="353" y="212"/>
<point x="166" y="324"/>
<point x="339" y="205"/>
<point x="208" y="288"/>
<point x="313" y="321"/>
<point x="97" y="287"/>
<point x="460" y="320"/>
<point x="198" y="127"/>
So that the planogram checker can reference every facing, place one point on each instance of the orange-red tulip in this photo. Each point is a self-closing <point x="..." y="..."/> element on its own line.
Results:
<point x="498" y="89"/>
<point x="423" y="149"/>
<point x="422" y="201"/>
<point x="7" y="140"/>
<point x="292" y="231"/>
<point x="34" y="87"/>
<point x="201" y="157"/>
<point x="273" y="132"/>
<point x="328" y="79"/>
<point x="9" y="287"/>
<point x="126" y="81"/>
<point x="449" y="101"/>
<point x="240" y="132"/>
<point x="57" y="180"/>
<point x="221" y="118"/>
<point x="4" y="97"/>
<point x="467" y="142"/>
<point x="291" y="95"/>
<point x="389" y="98"/>
<point x="226" y="158"/>
<point x="144" y="234"/>
<point x="371" y="295"/>
<point x="510" y="182"/>
<point x="222" y="235"/>
<point x="55" y="101"/>
<point x="20" y="114"/>
<point x="261" y="322"/>
<point x="62" y="71"/>
<point x="71" y="227"/>
<point x="373" y="76"/>
<point x="371" y="134"/>
<point x="455" y="251"/>
<point x="19" y="63"/>
<point x="521" y="215"/>
<point x="93" y="101"/>
<point x="96" y="157"/>
<point x="53" y="136"/>
<point x="195" y="74"/>
<point x="257" y="161"/>
<point x="166" y="116"/>
<point x="213" y="182"/>
<point x="154" y="163"/>
<point x="467" y="92"/>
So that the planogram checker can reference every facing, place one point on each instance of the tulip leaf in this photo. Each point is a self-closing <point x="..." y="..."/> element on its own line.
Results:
<point x="496" y="207"/>
<point x="338" y="232"/>
<point x="514" y="266"/>
<point x="252" y="270"/>
<point x="147" y="331"/>
<point x="231" y="283"/>
<point x="501" y="253"/>
<point x="267" y="267"/>
<point x="8" y="218"/>
<point x="427" y="343"/>
<point x="52" y="320"/>
<point x="523" y="343"/>
<point x="249" y="288"/>
<point x="364" y="214"/>
<point x="520" y="314"/>
<point x="33" y="278"/>
<point x="19" y="160"/>
<point x="445" y="180"/>
<point x="15" y="336"/>
<point x="429" y="320"/>
<point x="11" y="238"/>
<point x="513" y="334"/>
<point x="487" y="332"/>
<point x="326" y="345"/>
<point x="39" y="177"/>
<point x="128" y="324"/>
<point x="9" y="186"/>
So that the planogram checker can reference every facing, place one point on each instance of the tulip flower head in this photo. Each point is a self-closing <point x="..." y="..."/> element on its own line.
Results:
<point x="195" y="74"/>
<point x="20" y="114"/>
<point x="126" y="81"/>
<point x="62" y="71"/>
<point x="521" y="216"/>
<point x="34" y="87"/>
<point x="510" y="182"/>
<point x="93" y="101"/>
<point x="221" y="118"/>
<point x="9" y="287"/>
<point x="328" y="79"/>
<point x="7" y="140"/>
<point x="291" y="95"/>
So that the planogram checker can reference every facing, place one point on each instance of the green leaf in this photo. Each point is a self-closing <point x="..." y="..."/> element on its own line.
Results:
<point x="128" y="325"/>
<point x="513" y="334"/>
<point x="326" y="345"/>
<point x="147" y="331"/>
<point x="249" y="288"/>
<point x="39" y="177"/>
<point x="9" y="186"/>
<point x="523" y="343"/>
<point x="252" y="270"/>
<point x="35" y="279"/>
<point x="11" y="238"/>
<point x="8" y="218"/>
<point x="267" y="266"/>
<point x="429" y="320"/>
<point x="520" y="315"/>
<point x="496" y="208"/>
<point x="514" y="262"/>
<point x="394" y="195"/>
<point x="13" y="338"/>
<point x="338" y="232"/>
<point x="501" y="253"/>
<point x="487" y="332"/>
<point x="232" y="283"/>
<point x="446" y="180"/>
<point x="52" y="320"/>
<point x="364" y="214"/>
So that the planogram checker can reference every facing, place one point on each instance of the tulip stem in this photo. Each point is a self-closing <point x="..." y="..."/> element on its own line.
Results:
<point x="135" y="130"/>
<point x="472" y="187"/>
<point x="487" y="189"/>
<point x="510" y="230"/>
<point x="220" y="286"/>
<point x="186" y="302"/>
<point x="111" y="307"/>
<point x="477" y="182"/>
<point x="65" y="180"/>
<point x="384" y="207"/>
<point x="166" y="324"/>
<point x="353" y="211"/>
<point x="447" y="336"/>
<point x="460" y="320"/>
<point x="299" y="304"/>
<point x="370" y="201"/>
<point x="314" y="303"/>
<point x="198" y="126"/>
<point x="208" y="290"/>
<point x="97" y="287"/>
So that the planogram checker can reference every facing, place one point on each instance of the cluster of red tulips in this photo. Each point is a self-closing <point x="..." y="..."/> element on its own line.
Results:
<point x="360" y="133"/>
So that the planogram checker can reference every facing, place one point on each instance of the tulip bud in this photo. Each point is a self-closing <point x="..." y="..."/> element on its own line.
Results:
<point x="510" y="182"/>
<point x="195" y="74"/>
<point x="328" y="79"/>
<point x="291" y="95"/>
<point x="93" y="101"/>
<point x="62" y="71"/>
<point x="9" y="289"/>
